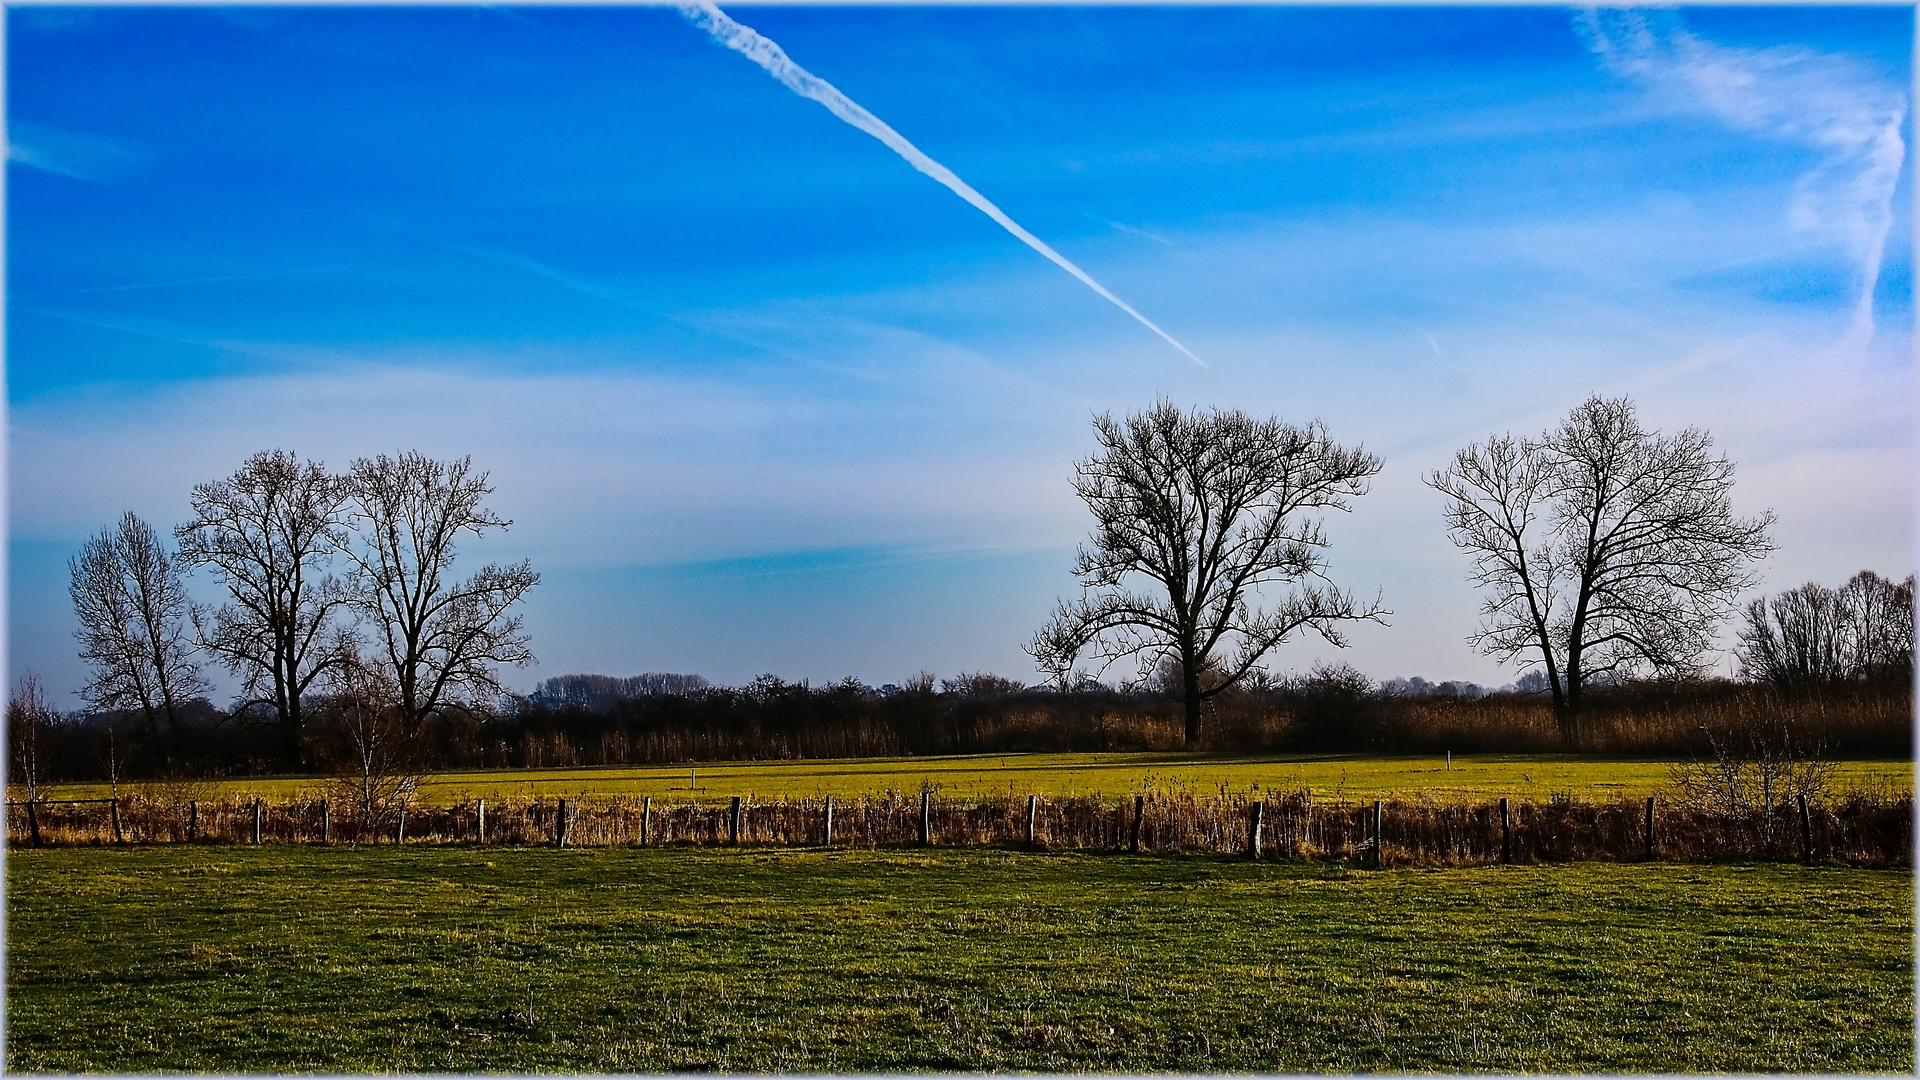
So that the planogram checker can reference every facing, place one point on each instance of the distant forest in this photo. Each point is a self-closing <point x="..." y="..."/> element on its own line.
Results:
<point x="598" y="720"/>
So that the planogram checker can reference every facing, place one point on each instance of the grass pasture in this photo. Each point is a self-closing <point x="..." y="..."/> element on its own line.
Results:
<point x="523" y="959"/>
<point x="1331" y="776"/>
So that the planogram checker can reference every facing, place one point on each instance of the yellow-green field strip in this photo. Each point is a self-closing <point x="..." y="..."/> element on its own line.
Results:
<point x="1479" y="776"/>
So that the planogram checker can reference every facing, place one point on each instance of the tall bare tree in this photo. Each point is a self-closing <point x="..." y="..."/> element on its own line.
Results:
<point x="1213" y="512"/>
<point x="1605" y="549"/>
<point x="269" y="532"/>
<point x="443" y="638"/>
<point x="133" y="610"/>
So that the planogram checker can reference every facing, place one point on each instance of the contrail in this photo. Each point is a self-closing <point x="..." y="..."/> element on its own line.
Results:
<point x="750" y="44"/>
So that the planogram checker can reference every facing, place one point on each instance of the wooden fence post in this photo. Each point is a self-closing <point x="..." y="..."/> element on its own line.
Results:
<point x="1139" y="810"/>
<point x="646" y="819"/>
<point x="118" y="837"/>
<point x="33" y="823"/>
<point x="326" y="822"/>
<point x="1253" y="830"/>
<point x="1033" y="810"/>
<point x="826" y="833"/>
<point x="1377" y="841"/>
<point x="560" y="826"/>
<point x="733" y="822"/>
<point x="926" y="821"/>
<point x="480" y="823"/>
<point x="400" y="828"/>
<point x="1506" y="833"/>
<point x="1306" y="818"/>
<point x="256" y="821"/>
<point x="1806" y="829"/>
<point x="193" y="819"/>
<point x="1649" y="828"/>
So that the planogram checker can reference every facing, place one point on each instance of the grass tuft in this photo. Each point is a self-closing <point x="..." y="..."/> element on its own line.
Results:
<point x="700" y="959"/>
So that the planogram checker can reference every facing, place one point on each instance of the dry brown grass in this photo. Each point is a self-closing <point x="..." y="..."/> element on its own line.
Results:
<point x="1858" y="827"/>
<point x="1657" y="719"/>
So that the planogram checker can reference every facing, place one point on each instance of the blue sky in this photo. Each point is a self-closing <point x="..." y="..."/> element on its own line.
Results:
<point x="761" y="397"/>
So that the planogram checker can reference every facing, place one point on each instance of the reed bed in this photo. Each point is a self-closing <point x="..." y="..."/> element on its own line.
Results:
<point x="1856" y="827"/>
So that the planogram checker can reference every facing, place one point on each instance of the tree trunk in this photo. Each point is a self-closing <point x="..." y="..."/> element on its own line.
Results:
<point x="1576" y="652"/>
<point x="1569" y="712"/>
<point x="287" y="703"/>
<point x="1563" y="720"/>
<point x="290" y="737"/>
<point x="1190" y="680"/>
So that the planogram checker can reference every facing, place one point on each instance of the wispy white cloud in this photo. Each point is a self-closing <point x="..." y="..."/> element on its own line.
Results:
<point x="597" y="468"/>
<point x="756" y="47"/>
<point x="1131" y="230"/>
<point x="503" y="257"/>
<point x="175" y="283"/>
<point x="61" y="18"/>
<point x="1828" y="103"/>
<point x="914" y="443"/>
<point x="76" y="155"/>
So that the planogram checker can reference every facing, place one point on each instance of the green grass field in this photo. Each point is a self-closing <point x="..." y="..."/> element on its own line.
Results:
<point x="1535" y="776"/>
<point x="292" y="958"/>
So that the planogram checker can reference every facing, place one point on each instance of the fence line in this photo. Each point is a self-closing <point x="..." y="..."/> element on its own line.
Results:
<point x="1857" y="827"/>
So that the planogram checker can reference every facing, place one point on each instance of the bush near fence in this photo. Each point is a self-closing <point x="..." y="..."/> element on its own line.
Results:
<point x="1856" y="827"/>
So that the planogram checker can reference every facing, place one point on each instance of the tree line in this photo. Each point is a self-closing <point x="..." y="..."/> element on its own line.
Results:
<point x="1607" y="556"/>
<point x="341" y="596"/>
<point x="654" y="719"/>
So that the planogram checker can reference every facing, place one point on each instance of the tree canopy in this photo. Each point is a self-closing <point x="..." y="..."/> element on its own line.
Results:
<point x="1206" y="550"/>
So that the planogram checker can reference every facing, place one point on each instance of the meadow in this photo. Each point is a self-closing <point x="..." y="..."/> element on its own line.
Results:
<point x="1536" y="777"/>
<point x="286" y="958"/>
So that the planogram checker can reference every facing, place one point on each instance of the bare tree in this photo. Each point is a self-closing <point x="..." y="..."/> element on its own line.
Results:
<point x="1212" y="511"/>
<point x="1882" y="614"/>
<point x="114" y="753"/>
<point x="269" y="532"/>
<point x="133" y="610"/>
<point x="1814" y="636"/>
<point x="379" y="758"/>
<point x="1796" y="640"/>
<point x="1755" y="770"/>
<point x="1604" y="548"/>
<point x="442" y="638"/>
<point x="30" y="728"/>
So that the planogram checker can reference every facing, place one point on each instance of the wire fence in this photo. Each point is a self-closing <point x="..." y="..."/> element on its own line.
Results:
<point x="1856" y="827"/>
